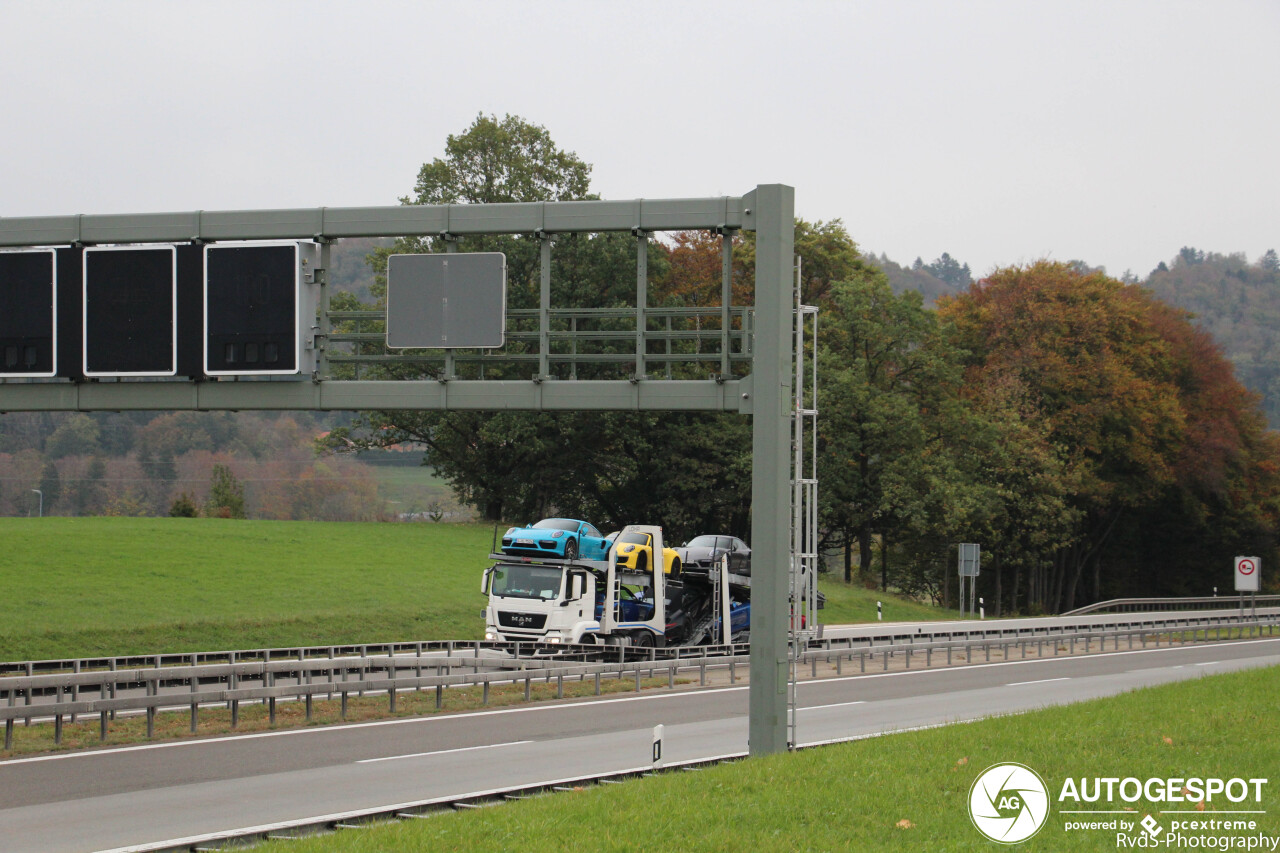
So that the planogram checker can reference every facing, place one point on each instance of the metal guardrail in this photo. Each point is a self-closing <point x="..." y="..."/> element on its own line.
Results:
<point x="996" y="628"/>
<point x="1192" y="602"/>
<point x="301" y="686"/>
<point x="519" y="650"/>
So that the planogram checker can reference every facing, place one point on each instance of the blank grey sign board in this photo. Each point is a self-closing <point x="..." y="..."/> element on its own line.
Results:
<point x="456" y="300"/>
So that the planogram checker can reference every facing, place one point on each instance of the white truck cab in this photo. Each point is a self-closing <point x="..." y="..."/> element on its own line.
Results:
<point x="549" y="601"/>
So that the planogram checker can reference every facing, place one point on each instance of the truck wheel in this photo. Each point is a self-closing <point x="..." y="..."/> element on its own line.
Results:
<point x="571" y="549"/>
<point x="643" y="639"/>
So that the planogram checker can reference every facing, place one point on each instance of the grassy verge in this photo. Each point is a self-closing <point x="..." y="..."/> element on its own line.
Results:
<point x="853" y="603"/>
<point x="901" y="792"/>
<point x="82" y="587"/>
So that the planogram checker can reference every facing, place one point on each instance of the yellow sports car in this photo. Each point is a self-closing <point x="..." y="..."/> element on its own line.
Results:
<point x="635" y="552"/>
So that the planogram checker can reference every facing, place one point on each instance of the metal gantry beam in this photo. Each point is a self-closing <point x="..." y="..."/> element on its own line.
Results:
<point x="551" y="217"/>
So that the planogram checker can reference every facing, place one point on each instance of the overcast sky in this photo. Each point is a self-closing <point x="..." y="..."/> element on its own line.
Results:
<point x="1001" y="132"/>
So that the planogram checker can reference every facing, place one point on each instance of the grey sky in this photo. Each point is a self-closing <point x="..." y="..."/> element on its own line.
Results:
<point x="1115" y="132"/>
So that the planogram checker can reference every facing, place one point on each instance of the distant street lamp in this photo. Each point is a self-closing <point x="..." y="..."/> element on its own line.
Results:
<point x="41" y="494"/>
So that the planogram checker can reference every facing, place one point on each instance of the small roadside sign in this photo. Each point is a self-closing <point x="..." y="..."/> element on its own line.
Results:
<point x="970" y="555"/>
<point x="1248" y="574"/>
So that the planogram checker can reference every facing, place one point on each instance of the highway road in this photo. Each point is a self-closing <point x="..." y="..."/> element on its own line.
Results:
<point x="129" y="798"/>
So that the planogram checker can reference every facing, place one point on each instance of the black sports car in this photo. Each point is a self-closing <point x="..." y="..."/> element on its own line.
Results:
<point x="701" y="552"/>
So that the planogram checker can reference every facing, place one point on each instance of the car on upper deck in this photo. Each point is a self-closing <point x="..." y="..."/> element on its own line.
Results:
<point x="701" y="552"/>
<point x="635" y="552"/>
<point x="567" y="538"/>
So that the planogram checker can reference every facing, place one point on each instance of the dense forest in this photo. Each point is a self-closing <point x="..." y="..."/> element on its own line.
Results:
<point x="1098" y="436"/>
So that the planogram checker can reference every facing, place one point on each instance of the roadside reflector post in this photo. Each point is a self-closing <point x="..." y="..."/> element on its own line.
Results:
<point x="657" y="745"/>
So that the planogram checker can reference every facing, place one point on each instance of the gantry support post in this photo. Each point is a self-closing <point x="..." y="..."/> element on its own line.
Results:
<point x="773" y="207"/>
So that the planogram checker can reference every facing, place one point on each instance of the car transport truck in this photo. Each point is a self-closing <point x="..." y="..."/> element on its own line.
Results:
<point x="560" y="601"/>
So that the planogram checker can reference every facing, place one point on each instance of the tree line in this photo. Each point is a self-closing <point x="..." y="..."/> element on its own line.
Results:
<point x="258" y="465"/>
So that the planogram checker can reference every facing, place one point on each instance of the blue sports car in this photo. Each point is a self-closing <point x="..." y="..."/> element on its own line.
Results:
<point x="557" y="537"/>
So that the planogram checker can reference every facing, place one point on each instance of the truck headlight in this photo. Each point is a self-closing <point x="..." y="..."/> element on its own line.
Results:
<point x="489" y="635"/>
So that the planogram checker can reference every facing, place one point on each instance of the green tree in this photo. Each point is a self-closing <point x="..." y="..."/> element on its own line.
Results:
<point x="183" y="506"/>
<point x="226" y="495"/>
<point x="50" y="485"/>
<point x="885" y="377"/>
<point x="77" y="435"/>
<point x="517" y="464"/>
<point x="948" y="269"/>
<point x="88" y="494"/>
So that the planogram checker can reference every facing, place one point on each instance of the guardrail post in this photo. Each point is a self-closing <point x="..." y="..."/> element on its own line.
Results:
<point x="57" y="729"/>
<point x="485" y="695"/>
<point x="308" y="707"/>
<point x="526" y="686"/>
<point x="235" y="714"/>
<point x="233" y="682"/>
<point x="75" y="688"/>
<point x="440" y="694"/>
<point x="560" y="684"/>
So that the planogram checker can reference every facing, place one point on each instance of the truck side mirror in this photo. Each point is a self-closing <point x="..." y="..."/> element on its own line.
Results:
<point x="484" y="581"/>
<point x="576" y="584"/>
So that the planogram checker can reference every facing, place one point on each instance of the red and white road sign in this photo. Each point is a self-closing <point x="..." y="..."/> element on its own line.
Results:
<point x="1248" y="574"/>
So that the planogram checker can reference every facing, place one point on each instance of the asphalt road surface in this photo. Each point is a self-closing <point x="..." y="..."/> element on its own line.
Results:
<point x="131" y="797"/>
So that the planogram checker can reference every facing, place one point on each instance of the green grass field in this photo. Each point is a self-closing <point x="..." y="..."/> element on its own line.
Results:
<point x="96" y="586"/>
<point x="857" y="796"/>
<point x="79" y="587"/>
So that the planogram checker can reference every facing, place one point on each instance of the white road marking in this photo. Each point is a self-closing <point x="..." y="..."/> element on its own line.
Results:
<point x="442" y="752"/>
<point x="1037" y="681"/>
<point x="832" y="705"/>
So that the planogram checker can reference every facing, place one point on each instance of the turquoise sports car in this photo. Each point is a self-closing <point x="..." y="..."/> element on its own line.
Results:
<point x="557" y="537"/>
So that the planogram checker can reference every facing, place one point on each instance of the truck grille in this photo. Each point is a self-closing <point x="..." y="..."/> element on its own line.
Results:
<point x="532" y="621"/>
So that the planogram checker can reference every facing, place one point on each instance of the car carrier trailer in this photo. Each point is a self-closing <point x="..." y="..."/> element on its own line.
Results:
<point x="558" y="601"/>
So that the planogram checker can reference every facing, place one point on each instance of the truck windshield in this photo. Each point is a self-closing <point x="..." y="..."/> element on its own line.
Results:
<point x="521" y="581"/>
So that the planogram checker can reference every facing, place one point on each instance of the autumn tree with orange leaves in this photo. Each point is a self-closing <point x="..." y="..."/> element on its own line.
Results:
<point x="1144" y="416"/>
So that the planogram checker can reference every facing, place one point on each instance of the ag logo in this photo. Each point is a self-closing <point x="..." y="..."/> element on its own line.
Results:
<point x="1008" y="803"/>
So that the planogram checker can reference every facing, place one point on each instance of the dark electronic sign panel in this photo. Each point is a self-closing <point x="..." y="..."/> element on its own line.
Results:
<point x="28" y="313"/>
<point x="255" y="298"/>
<point x="130" y="311"/>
